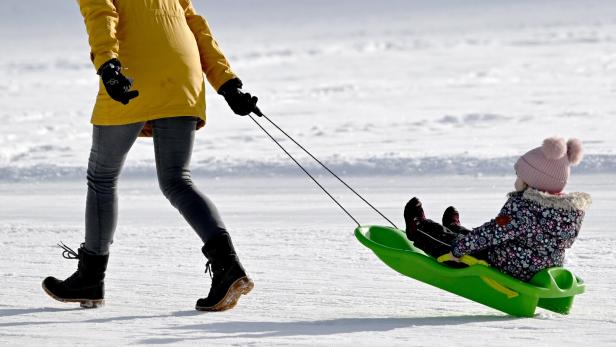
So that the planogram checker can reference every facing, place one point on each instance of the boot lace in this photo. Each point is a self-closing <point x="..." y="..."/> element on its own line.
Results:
<point x="215" y="270"/>
<point x="68" y="252"/>
<point x="208" y="269"/>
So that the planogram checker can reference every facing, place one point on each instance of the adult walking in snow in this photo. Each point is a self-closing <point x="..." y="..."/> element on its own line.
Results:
<point x="165" y="47"/>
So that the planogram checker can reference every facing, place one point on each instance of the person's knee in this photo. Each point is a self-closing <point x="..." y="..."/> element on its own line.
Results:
<point x="174" y="187"/>
<point x="104" y="183"/>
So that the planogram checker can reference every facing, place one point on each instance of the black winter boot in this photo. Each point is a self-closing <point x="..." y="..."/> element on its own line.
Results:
<point x="413" y="216"/>
<point x="451" y="216"/>
<point x="229" y="279"/>
<point x="451" y="220"/>
<point x="86" y="285"/>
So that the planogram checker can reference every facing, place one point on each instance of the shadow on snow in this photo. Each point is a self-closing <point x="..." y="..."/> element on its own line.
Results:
<point x="235" y="330"/>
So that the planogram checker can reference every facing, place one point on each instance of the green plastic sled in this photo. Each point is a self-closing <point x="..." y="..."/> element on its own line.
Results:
<point x="552" y="289"/>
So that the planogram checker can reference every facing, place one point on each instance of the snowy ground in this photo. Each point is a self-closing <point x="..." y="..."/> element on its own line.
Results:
<point x="315" y="284"/>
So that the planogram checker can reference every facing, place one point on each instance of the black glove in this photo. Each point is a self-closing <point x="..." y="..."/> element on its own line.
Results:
<point x="117" y="85"/>
<point x="241" y="103"/>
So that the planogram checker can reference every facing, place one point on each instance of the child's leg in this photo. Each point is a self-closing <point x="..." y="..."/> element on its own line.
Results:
<point x="451" y="220"/>
<point x="433" y="238"/>
<point x="458" y="229"/>
<point x="426" y="234"/>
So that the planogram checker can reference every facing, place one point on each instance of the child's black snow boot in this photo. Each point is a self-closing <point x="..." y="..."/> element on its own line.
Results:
<point x="229" y="279"/>
<point x="86" y="285"/>
<point x="451" y="216"/>
<point x="413" y="216"/>
<point x="451" y="220"/>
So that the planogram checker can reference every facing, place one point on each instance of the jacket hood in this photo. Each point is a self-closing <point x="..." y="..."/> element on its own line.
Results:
<point x="572" y="201"/>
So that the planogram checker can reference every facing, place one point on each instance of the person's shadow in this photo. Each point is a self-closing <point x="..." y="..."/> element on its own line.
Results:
<point x="243" y="329"/>
<point x="8" y="312"/>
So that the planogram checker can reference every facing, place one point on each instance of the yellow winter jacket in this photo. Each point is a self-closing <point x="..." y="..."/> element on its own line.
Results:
<point x="165" y="47"/>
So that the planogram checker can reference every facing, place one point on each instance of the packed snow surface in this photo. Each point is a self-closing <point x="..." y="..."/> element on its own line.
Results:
<point x="429" y="98"/>
<point x="315" y="285"/>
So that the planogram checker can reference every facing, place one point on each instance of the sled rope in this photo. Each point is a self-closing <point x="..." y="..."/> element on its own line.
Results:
<point x="305" y="171"/>
<point x="434" y="238"/>
<point x="260" y="114"/>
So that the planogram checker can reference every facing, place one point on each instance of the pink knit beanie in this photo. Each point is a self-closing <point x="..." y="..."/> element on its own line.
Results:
<point x="547" y="168"/>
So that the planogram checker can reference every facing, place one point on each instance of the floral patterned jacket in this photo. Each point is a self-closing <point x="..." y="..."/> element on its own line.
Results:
<point x="530" y="233"/>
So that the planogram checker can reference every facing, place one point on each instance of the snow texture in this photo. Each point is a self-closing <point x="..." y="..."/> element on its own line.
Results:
<point x="315" y="285"/>
<point x="402" y="97"/>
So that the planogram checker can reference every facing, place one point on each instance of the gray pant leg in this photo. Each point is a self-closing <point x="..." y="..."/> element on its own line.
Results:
<point x="110" y="145"/>
<point x="173" y="144"/>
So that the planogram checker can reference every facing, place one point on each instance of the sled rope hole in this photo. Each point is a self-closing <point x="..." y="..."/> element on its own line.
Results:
<point x="260" y="114"/>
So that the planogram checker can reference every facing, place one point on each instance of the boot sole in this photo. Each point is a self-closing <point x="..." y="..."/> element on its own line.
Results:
<point x="240" y="287"/>
<point x="84" y="303"/>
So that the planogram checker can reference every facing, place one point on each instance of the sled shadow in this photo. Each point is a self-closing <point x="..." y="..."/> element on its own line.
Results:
<point x="234" y="330"/>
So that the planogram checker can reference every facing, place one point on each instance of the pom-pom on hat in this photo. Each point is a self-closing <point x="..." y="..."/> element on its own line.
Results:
<point x="547" y="168"/>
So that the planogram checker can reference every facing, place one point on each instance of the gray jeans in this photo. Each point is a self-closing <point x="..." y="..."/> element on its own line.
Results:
<point x="173" y="142"/>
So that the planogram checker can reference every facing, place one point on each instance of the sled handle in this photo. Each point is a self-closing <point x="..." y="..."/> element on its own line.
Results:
<point x="470" y="261"/>
<point x="465" y="259"/>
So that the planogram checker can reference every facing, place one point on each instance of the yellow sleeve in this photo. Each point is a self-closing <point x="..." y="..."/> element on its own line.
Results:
<point x="101" y="19"/>
<point x="213" y="62"/>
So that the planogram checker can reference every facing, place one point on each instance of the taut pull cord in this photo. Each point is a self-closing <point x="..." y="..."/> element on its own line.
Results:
<point x="260" y="114"/>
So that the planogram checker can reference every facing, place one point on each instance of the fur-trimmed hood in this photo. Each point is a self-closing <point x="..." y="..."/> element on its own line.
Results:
<point x="572" y="201"/>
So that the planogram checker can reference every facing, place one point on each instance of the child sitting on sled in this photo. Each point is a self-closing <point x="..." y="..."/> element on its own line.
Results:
<point x="534" y="227"/>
